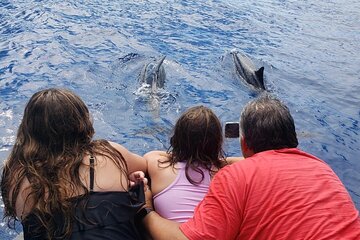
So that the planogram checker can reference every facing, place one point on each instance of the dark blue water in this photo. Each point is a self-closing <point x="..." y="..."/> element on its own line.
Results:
<point x="309" y="50"/>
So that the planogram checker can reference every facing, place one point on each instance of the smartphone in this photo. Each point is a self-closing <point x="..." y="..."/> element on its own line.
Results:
<point x="137" y="192"/>
<point x="232" y="130"/>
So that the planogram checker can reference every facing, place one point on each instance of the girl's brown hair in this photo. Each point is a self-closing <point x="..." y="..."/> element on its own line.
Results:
<point x="54" y="136"/>
<point x="197" y="140"/>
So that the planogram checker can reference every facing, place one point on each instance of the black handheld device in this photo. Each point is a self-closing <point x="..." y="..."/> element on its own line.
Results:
<point x="137" y="192"/>
<point x="232" y="130"/>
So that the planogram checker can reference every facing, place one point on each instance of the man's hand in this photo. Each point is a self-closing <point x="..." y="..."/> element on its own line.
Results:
<point x="148" y="197"/>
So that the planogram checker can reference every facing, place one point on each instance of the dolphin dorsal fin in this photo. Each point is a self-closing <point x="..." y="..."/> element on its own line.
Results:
<point x="260" y="76"/>
<point x="158" y="65"/>
<point x="260" y="73"/>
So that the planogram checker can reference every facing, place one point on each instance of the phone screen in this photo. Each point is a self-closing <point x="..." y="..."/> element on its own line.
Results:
<point x="232" y="130"/>
<point x="137" y="192"/>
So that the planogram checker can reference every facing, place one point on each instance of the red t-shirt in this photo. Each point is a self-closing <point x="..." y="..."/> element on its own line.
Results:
<point x="276" y="194"/>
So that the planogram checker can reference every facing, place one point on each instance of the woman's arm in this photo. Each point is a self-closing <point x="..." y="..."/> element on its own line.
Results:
<point x="134" y="162"/>
<point x="232" y="160"/>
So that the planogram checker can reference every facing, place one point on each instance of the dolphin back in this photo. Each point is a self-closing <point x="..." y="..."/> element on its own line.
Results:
<point x="246" y="70"/>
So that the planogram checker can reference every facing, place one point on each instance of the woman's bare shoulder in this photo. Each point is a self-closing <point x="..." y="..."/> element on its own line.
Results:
<point x="24" y="202"/>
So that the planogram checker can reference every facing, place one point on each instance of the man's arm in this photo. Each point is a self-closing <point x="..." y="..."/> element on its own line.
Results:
<point x="157" y="226"/>
<point x="161" y="228"/>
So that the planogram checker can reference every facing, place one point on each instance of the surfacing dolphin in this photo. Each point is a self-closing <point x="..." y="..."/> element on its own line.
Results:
<point x="246" y="69"/>
<point x="153" y="74"/>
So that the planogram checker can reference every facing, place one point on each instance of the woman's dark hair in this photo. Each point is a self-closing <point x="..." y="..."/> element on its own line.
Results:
<point x="267" y="124"/>
<point x="197" y="140"/>
<point x="54" y="135"/>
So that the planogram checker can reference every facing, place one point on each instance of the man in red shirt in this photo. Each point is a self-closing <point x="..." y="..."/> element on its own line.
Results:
<point x="277" y="192"/>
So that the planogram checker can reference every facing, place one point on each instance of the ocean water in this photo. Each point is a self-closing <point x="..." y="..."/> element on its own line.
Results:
<point x="97" y="49"/>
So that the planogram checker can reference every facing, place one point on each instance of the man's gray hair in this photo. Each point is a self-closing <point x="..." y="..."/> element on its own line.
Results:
<point x="266" y="124"/>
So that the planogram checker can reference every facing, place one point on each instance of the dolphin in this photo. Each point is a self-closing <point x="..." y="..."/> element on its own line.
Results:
<point x="153" y="74"/>
<point x="245" y="68"/>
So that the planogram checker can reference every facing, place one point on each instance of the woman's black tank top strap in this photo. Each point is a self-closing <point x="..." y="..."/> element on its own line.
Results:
<point x="92" y="160"/>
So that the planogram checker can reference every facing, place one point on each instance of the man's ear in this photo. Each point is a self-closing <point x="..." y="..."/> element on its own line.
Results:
<point x="243" y="144"/>
<point x="246" y="151"/>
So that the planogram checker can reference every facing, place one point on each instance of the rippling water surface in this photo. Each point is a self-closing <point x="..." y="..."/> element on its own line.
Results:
<point x="98" y="48"/>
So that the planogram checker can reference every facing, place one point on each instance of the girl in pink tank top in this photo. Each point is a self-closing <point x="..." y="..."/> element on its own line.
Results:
<point x="181" y="176"/>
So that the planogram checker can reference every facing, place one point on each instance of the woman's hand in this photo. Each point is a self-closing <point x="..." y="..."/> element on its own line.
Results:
<point x="137" y="177"/>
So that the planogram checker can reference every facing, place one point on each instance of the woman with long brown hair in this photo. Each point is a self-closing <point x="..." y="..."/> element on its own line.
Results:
<point x="62" y="184"/>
